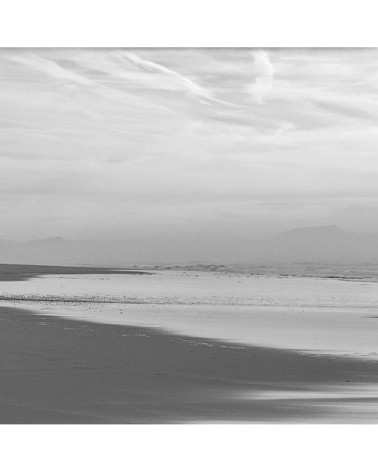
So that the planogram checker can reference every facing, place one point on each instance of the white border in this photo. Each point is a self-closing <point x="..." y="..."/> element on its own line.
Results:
<point x="194" y="23"/>
<point x="189" y="448"/>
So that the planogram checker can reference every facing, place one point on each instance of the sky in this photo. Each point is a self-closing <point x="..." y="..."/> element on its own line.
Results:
<point x="196" y="144"/>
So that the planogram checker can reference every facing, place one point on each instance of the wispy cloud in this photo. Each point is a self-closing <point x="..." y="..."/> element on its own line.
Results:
<point x="53" y="69"/>
<point x="49" y="67"/>
<point x="264" y="71"/>
<point x="189" y="85"/>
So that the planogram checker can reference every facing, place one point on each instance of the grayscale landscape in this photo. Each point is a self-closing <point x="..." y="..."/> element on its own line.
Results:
<point x="188" y="236"/>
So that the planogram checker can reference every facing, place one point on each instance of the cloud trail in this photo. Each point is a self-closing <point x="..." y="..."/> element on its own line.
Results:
<point x="194" y="89"/>
<point x="51" y="68"/>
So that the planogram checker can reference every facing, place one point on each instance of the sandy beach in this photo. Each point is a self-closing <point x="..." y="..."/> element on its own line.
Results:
<point x="61" y="370"/>
<point x="65" y="371"/>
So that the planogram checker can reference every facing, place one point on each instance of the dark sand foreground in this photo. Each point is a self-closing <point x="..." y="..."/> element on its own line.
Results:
<point x="14" y="272"/>
<point x="55" y="370"/>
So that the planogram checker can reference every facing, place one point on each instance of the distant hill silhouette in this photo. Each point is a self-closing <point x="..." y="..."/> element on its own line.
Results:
<point x="323" y="244"/>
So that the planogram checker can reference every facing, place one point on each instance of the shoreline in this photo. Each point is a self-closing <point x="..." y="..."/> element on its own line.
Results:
<point x="63" y="371"/>
<point x="22" y="272"/>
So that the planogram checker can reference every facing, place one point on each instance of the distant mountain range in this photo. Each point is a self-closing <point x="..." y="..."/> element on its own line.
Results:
<point x="322" y="244"/>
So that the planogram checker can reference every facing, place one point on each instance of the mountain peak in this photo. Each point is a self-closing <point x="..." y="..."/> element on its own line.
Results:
<point x="56" y="238"/>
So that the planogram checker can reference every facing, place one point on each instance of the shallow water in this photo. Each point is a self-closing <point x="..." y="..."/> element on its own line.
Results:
<point x="304" y="313"/>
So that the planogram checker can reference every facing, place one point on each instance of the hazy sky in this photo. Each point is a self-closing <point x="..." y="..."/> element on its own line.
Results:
<point x="208" y="143"/>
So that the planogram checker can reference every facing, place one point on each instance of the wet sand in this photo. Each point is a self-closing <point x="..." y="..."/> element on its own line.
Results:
<point x="55" y="370"/>
<point x="20" y="272"/>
